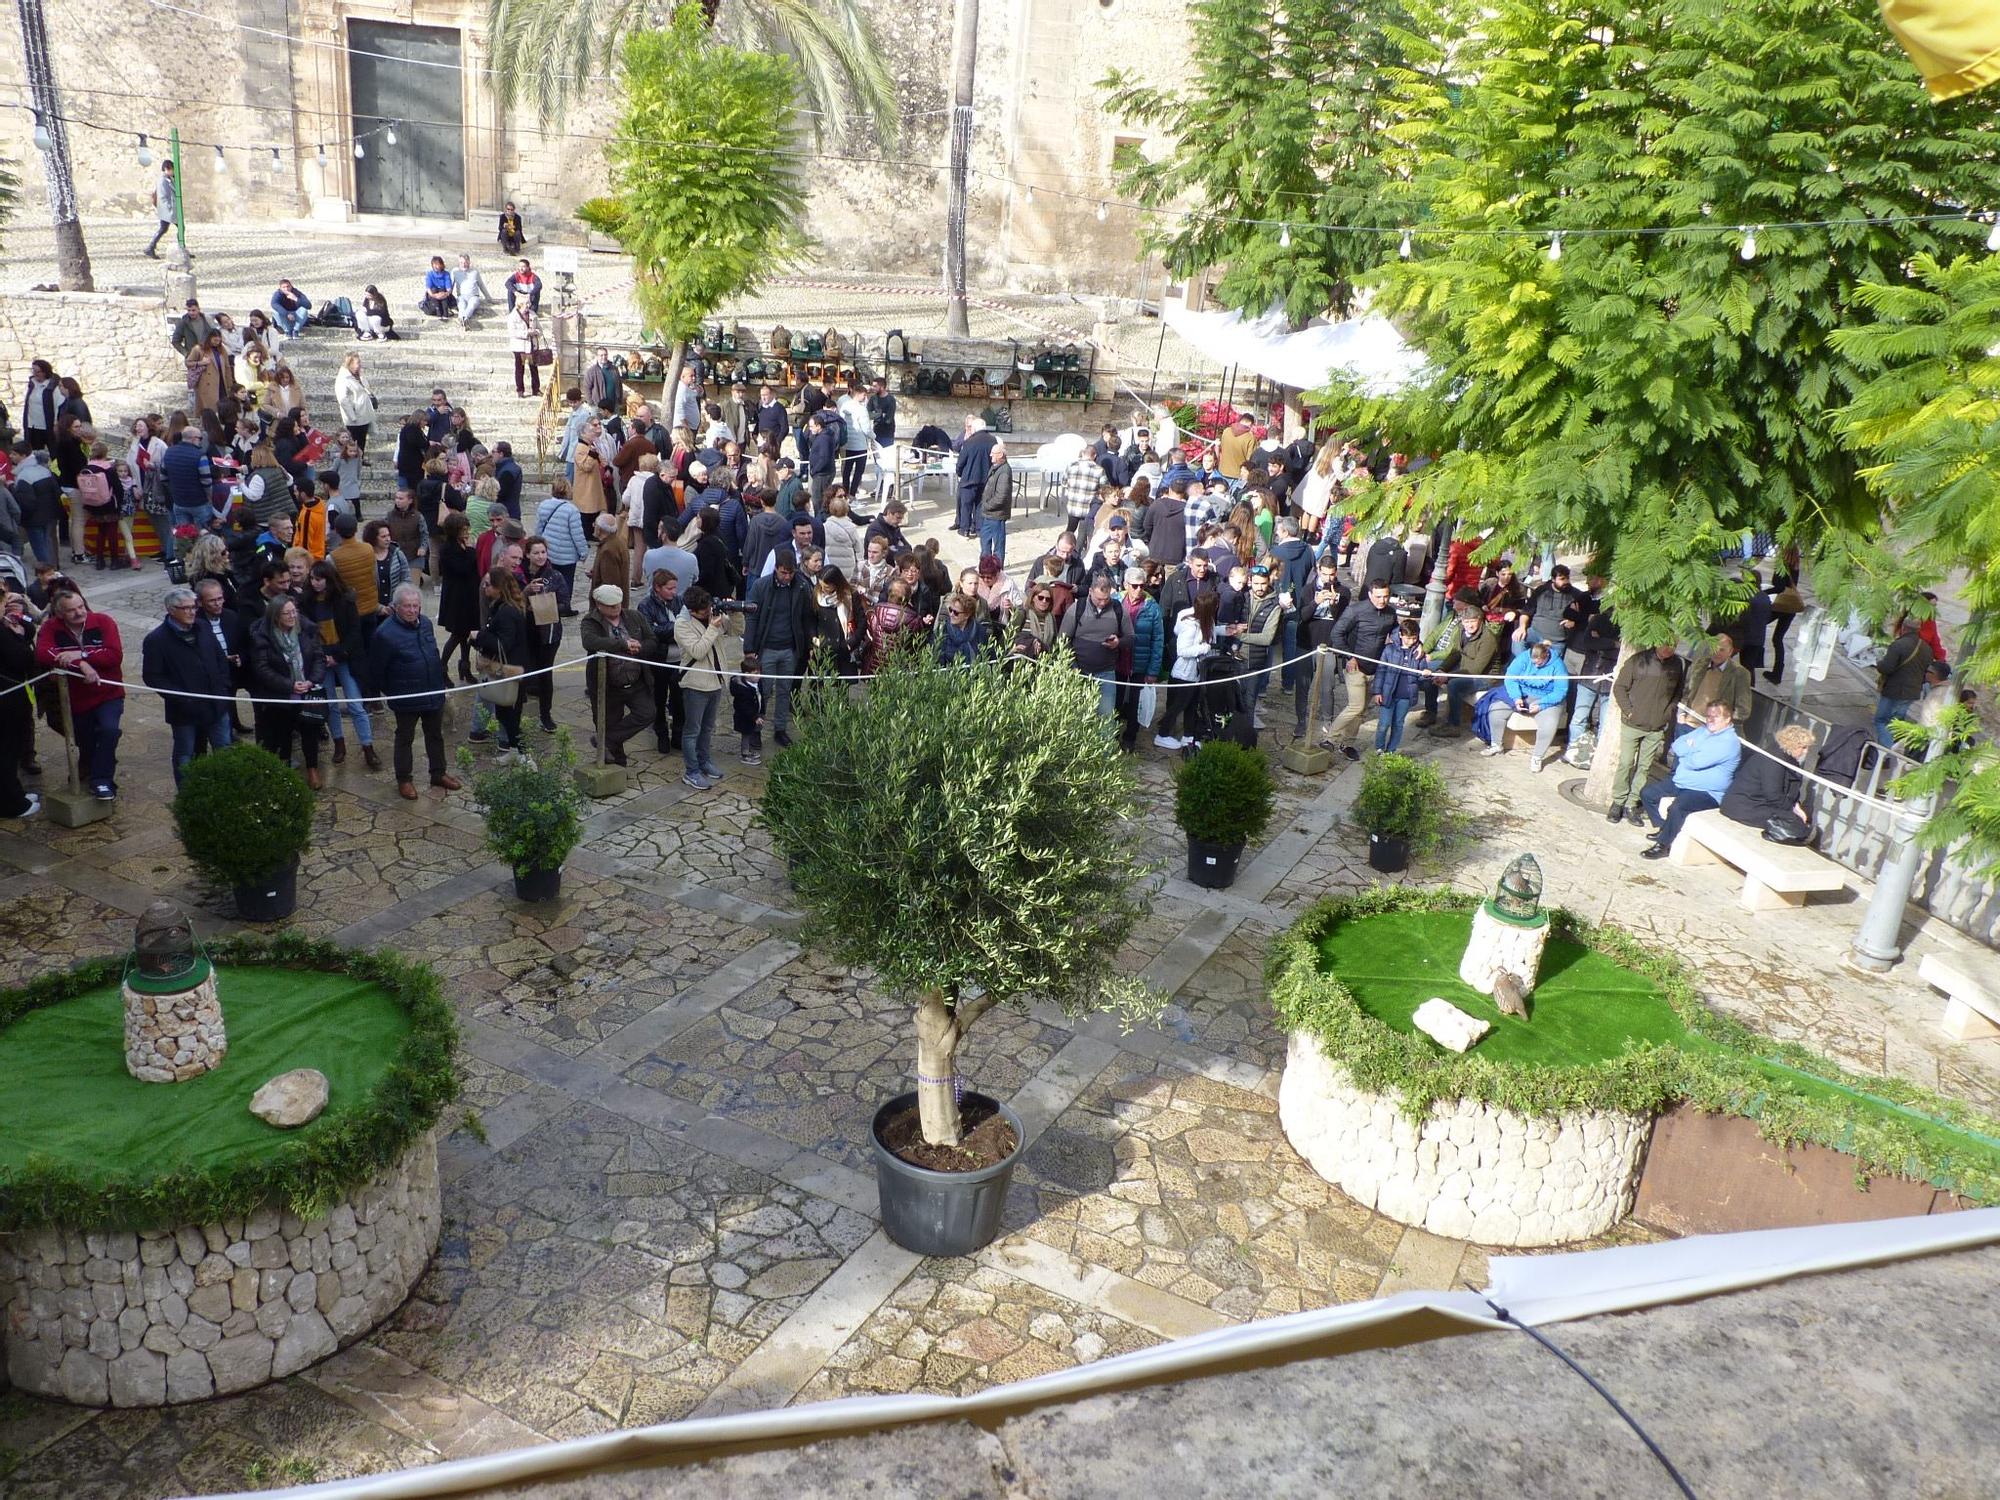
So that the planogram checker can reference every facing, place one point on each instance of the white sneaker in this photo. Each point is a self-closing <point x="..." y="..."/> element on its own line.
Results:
<point x="1493" y="750"/>
<point x="34" y="805"/>
<point x="1167" y="742"/>
<point x="1535" y="765"/>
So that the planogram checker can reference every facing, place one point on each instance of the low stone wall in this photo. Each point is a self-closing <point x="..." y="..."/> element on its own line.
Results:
<point x="1471" y="1171"/>
<point x="114" y="1318"/>
<point x="110" y="341"/>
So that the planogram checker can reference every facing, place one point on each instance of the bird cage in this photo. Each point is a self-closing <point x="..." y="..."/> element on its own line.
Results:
<point x="1518" y="895"/>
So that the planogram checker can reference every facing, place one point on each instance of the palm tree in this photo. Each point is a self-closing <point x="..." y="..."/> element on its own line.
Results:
<point x="545" y="52"/>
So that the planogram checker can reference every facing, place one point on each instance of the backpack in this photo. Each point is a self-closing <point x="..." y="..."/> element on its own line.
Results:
<point x="93" y="486"/>
<point x="336" y="312"/>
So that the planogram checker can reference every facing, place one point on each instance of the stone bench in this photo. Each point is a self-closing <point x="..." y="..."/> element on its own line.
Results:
<point x="1520" y="730"/>
<point x="1970" y="1010"/>
<point x="1774" y="875"/>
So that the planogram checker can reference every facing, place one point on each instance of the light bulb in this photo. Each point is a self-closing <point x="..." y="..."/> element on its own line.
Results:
<point x="221" y="161"/>
<point x="1749" y="251"/>
<point x="1103" y="213"/>
<point x="389" y="136"/>
<point x="1030" y="198"/>
<point x="322" y="156"/>
<point x="1404" y="249"/>
<point x="359" y="151"/>
<point x="1285" y="238"/>
<point x="41" y="133"/>
<point x="1993" y="239"/>
<point x="1556" y="246"/>
<point x="274" y="157"/>
<point x="145" y="153"/>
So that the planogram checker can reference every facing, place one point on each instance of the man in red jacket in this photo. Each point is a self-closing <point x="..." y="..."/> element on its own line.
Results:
<point x="85" y="644"/>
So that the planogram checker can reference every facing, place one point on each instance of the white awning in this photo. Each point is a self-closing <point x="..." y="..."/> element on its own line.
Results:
<point x="1365" y="349"/>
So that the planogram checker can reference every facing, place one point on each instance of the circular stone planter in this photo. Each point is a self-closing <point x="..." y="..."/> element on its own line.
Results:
<point x="1471" y="1171"/>
<point x="117" y="1318"/>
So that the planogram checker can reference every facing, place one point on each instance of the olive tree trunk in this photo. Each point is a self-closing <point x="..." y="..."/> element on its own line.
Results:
<point x="942" y="1022"/>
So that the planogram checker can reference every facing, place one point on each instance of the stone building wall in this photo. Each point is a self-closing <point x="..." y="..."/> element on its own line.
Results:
<point x="120" y="339"/>
<point x="114" y="1318"/>
<point x="1039" y="119"/>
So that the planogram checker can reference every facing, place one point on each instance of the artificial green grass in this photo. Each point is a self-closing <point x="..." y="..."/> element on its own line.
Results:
<point x="1585" y="1007"/>
<point x="66" y="1099"/>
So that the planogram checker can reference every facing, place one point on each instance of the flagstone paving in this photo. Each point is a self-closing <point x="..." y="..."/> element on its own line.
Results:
<point x="657" y="1187"/>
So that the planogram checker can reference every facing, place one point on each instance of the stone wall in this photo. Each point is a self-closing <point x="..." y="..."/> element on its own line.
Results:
<point x="1471" y="1171"/>
<point x="117" y="340"/>
<point x="114" y="1318"/>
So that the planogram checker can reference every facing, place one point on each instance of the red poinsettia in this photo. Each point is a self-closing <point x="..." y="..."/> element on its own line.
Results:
<point x="186" y="533"/>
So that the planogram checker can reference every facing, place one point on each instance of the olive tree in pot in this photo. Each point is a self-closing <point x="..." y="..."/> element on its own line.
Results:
<point x="245" y="817"/>
<point x="1222" y="799"/>
<point x="965" y="834"/>
<point x="1407" y="809"/>
<point x="534" y="814"/>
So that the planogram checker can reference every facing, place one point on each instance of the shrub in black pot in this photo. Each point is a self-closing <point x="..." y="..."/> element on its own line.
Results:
<point x="534" y="815"/>
<point x="1222" y="799"/>
<point x="245" y="817"/>
<point x="1406" y="808"/>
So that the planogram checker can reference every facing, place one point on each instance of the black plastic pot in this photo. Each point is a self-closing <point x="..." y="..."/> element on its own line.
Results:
<point x="942" y="1213"/>
<point x="538" y="885"/>
<point x="1388" y="853"/>
<point x="1213" y="866"/>
<point x="270" y="900"/>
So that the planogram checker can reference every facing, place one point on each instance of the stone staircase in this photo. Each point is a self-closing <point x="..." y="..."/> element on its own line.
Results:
<point x="474" y="366"/>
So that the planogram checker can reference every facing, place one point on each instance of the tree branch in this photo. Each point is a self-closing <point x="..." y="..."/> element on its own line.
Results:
<point x="968" y="1011"/>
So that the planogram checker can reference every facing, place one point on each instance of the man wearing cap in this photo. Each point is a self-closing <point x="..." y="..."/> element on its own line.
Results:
<point x="619" y="645"/>
<point x="975" y="462"/>
<point x="996" y="505"/>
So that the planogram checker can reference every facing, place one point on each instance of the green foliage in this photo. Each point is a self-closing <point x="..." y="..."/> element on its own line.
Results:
<point x="1409" y="799"/>
<point x="708" y="221"/>
<point x="243" y="815"/>
<point x="1275" y="118"/>
<point x="309" y="1176"/>
<point x="968" y="826"/>
<point x="549" y="54"/>
<point x="1731" y="1070"/>
<point x="534" y="808"/>
<point x="1648" y="397"/>
<point x="1223" y="793"/>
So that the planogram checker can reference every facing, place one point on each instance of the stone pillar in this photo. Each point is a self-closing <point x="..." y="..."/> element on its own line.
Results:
<point x="1503" y="945"/>
<point x="172" y="1037"/>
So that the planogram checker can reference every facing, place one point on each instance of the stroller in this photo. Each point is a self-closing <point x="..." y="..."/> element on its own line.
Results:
<point x="1219" y="711"/>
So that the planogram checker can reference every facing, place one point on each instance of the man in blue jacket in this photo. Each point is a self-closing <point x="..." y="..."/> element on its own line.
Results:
<point x="1537" y="683"/>
<point x="291" y="309"/>
<point x="1148" y="639"/>
<point x="1705" y="760"/>
<point x="188" y="479"/>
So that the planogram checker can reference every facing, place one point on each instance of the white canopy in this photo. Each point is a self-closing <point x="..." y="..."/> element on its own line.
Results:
<point x="1366" y="349"/>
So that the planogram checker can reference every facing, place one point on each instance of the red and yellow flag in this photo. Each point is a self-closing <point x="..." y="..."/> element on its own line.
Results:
<point x="1954" y="43"/>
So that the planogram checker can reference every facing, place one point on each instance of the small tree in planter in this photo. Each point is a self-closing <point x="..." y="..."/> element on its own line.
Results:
<point x="534" y="815"/>
<point x="1407" y="809"/>
<point x="245" y="817"/>
<point x="963" y="833"/>
<point x="1222" y="799"/>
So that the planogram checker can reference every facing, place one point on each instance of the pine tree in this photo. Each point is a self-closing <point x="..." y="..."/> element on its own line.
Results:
<point x="1280" y="121"/>
<point x="1660" y="383"/>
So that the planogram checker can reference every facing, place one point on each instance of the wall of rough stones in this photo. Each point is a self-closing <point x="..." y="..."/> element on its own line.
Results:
<point x="116" y="1318"/>
<point x="118" y="339"/>
<point x="1472" y="1171"/>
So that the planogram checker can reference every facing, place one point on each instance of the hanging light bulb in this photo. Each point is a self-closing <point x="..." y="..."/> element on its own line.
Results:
<point x="389" y="136"/>
<point x="1993" y="239"/>
<point x="1031" y="193"/>
<point x="274" y="157"/>
<point x="1103" y="213"/>
<point x="1749" y="251"/>
<point x="360" y="151"/>
<point x="1404" y="249"/>
<point x="322" y="156"/>
<point x="221" y="162"/>
<point x="41" y="132"/>
<point x="1556" y="246"/>
<point x="145" y="152"/>
<point x="1285" y="238"/>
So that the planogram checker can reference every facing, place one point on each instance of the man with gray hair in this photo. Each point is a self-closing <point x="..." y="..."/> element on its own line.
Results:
<point x="187" y="667"/>
<point x="409" y="672"/>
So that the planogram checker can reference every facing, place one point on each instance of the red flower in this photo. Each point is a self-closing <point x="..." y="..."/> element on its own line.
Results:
<point x="186" y="533"/>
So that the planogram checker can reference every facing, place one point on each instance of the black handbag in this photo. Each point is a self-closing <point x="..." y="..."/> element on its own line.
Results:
<point x="1788" y="828"/>
<point x="312" y="707"/>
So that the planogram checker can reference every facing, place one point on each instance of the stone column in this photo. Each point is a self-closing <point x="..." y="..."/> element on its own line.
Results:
<point x="1503" y="945"/>
<point x="172" y="1037"/>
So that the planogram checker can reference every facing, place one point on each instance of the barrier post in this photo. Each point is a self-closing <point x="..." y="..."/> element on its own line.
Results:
<point x="602" y="779"/>
<point x="74" y="806"/>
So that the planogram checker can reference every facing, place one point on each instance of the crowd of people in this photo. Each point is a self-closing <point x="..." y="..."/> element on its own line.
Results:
<point x="715" y="544"/>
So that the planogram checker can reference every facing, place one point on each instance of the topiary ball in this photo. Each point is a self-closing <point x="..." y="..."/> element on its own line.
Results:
<point x="242" y="814"/>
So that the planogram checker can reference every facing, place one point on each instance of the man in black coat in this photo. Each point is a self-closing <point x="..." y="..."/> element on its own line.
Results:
<point x="975" y="462"/>
<point x="1359" y="635"/>
<point x="182" y="656"/>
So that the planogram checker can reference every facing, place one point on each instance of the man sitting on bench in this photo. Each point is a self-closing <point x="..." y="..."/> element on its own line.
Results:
<point x="1705" y="759"/>
<point x="1766" y="787"/>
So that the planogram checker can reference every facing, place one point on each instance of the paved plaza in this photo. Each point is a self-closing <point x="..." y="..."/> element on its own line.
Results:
<point x="658" y="1195"/>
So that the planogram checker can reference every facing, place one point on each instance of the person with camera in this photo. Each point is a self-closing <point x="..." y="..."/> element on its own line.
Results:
<point x="700" y="632"/>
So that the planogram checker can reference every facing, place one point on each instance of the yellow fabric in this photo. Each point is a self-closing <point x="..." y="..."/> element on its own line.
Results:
<point x="1955" y="44"/>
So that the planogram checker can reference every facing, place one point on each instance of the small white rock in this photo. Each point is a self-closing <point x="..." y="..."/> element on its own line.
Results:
<point x="1448" y="1026"/>
<point x="291" y="1099"/>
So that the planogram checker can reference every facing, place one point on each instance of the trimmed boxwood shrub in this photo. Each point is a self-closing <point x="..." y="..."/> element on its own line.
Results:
<point x="308" y="1176"/>
<point x="1645" y="1080"/>
<point x="243" y="815"/>
<point x="1223" y="793"/>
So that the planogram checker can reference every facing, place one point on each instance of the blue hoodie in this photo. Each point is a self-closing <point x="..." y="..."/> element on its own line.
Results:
<point x="1705" y="760"/>
<point x="1545" y="686"/>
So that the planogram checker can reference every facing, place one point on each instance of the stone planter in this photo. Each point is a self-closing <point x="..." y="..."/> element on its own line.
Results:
<point x="1471" y="1171"/>
<point x="117" y="1318"/>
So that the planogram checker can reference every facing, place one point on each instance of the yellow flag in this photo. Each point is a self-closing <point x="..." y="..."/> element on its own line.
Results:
<point x="1954" y="43"/>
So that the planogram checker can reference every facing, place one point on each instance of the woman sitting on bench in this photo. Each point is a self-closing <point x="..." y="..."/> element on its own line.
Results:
<point x="1765" y="787"/>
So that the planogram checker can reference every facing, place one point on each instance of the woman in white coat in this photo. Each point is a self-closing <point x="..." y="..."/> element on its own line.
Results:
<point x="355" y="400"/>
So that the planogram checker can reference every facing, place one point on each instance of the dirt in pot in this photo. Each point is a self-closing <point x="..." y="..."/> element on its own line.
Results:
<point x="985" y="1138"/>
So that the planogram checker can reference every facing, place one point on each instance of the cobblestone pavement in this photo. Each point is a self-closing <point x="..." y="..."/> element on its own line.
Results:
<point x="657" y="1186"/>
